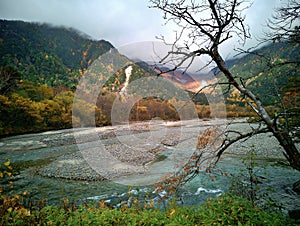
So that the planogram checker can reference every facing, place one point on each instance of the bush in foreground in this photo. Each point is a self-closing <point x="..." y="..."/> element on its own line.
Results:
<point x="225" y="210"/>
<point x="17" y="209"/>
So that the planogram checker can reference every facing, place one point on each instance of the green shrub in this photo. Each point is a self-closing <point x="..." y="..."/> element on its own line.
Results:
<point x="233" y="210"/>
<point x="225" y="210"/>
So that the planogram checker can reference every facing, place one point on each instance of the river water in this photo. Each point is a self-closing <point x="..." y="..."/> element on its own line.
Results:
<point x="33" y="152"/>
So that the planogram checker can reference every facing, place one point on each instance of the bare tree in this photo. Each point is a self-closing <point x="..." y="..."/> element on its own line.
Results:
<point x="203" y="26"/>
<point x="284" y="24"/>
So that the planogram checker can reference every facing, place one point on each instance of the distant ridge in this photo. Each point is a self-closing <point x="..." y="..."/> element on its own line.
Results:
<point x="46" y="54"/>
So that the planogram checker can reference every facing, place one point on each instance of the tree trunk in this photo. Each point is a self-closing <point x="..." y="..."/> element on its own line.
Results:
<point x="291" y="152"/>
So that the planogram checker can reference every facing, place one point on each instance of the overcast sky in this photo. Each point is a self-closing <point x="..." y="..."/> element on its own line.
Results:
<point x="118" y="21"/>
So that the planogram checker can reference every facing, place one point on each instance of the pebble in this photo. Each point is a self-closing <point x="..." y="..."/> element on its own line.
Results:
<point x="70" y="166"/>
<point x="75" y="167"/>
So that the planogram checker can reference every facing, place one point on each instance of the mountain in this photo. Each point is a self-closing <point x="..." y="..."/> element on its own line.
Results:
<point x="48" y="55"/>
<point x="181" y="79"/>
<point x="41" y="65"/>
<point x="40" y="68"/>
<point x="264" y="71"/>
<point x="58" y="56"/>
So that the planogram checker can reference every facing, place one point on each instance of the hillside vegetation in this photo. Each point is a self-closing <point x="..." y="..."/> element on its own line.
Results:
<point x="264" y="70"/>
<point x="41" y="66"/>
<point x="48" y="55"/>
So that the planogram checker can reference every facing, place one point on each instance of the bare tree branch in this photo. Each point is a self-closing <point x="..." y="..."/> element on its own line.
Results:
<point x="205" y="26"/>
<point x="228" y="141"/>
<point x="285" y="23"/>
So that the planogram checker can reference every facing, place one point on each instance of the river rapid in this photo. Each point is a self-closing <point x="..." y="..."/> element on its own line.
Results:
<point x="54" y="165"/>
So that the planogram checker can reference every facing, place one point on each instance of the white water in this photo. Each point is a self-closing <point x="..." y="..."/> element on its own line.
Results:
<point x="201" y="189"/>
<point x="128" y="72"/>
<point x="31" y="147"/>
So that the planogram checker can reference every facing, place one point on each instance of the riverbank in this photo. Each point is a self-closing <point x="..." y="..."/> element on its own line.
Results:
<point x="225" y="210"/>
<point x="57" y="164"/>
<point x="131" y="149"/>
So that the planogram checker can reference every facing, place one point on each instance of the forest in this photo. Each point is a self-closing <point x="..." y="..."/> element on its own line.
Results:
<point x="231" y="176"/>
<point x="41" y="66"/>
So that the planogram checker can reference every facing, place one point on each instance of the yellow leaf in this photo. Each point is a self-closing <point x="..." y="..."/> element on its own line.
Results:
<point x="27" y="212"/>
<point x="7" y="173"/>
<point x="172" y="212"/>
<point x="9" y="209"/>
<point x="7" y="163"/>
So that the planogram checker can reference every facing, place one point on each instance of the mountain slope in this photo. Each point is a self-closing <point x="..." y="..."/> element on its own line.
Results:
<point x="264" y="71"/>
<point x="47" y="55"/>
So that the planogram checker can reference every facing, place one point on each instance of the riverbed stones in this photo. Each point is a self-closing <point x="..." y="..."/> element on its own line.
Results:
<point x="22" y="145"/>
<point x="130" y="159"/>
<point x="130" y="155"/>
<point x="70" y="166"/>
<point x="68" y="162"/>
<point x="170" y="139"/>
<point x="75" y="167"/>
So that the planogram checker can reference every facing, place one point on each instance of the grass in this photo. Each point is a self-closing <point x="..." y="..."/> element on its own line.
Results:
<point x="225" y="210"/>
<point x="17" y="209"/>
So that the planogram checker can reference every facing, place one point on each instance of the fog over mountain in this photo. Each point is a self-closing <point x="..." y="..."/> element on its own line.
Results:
<point x="120" y="22"/>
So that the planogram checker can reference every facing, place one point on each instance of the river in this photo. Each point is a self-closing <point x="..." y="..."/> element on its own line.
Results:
<point x="50" y="165"/>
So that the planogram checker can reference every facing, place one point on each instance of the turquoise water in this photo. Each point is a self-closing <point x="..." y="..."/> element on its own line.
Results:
<point x="31" y="147"/>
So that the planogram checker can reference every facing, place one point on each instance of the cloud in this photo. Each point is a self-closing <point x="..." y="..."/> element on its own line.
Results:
<point x="119" y="21"/>
<point x="256" y="17"/>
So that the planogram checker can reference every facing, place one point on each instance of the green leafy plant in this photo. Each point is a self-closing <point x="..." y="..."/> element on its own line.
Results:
<point x="225" y="210"/>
